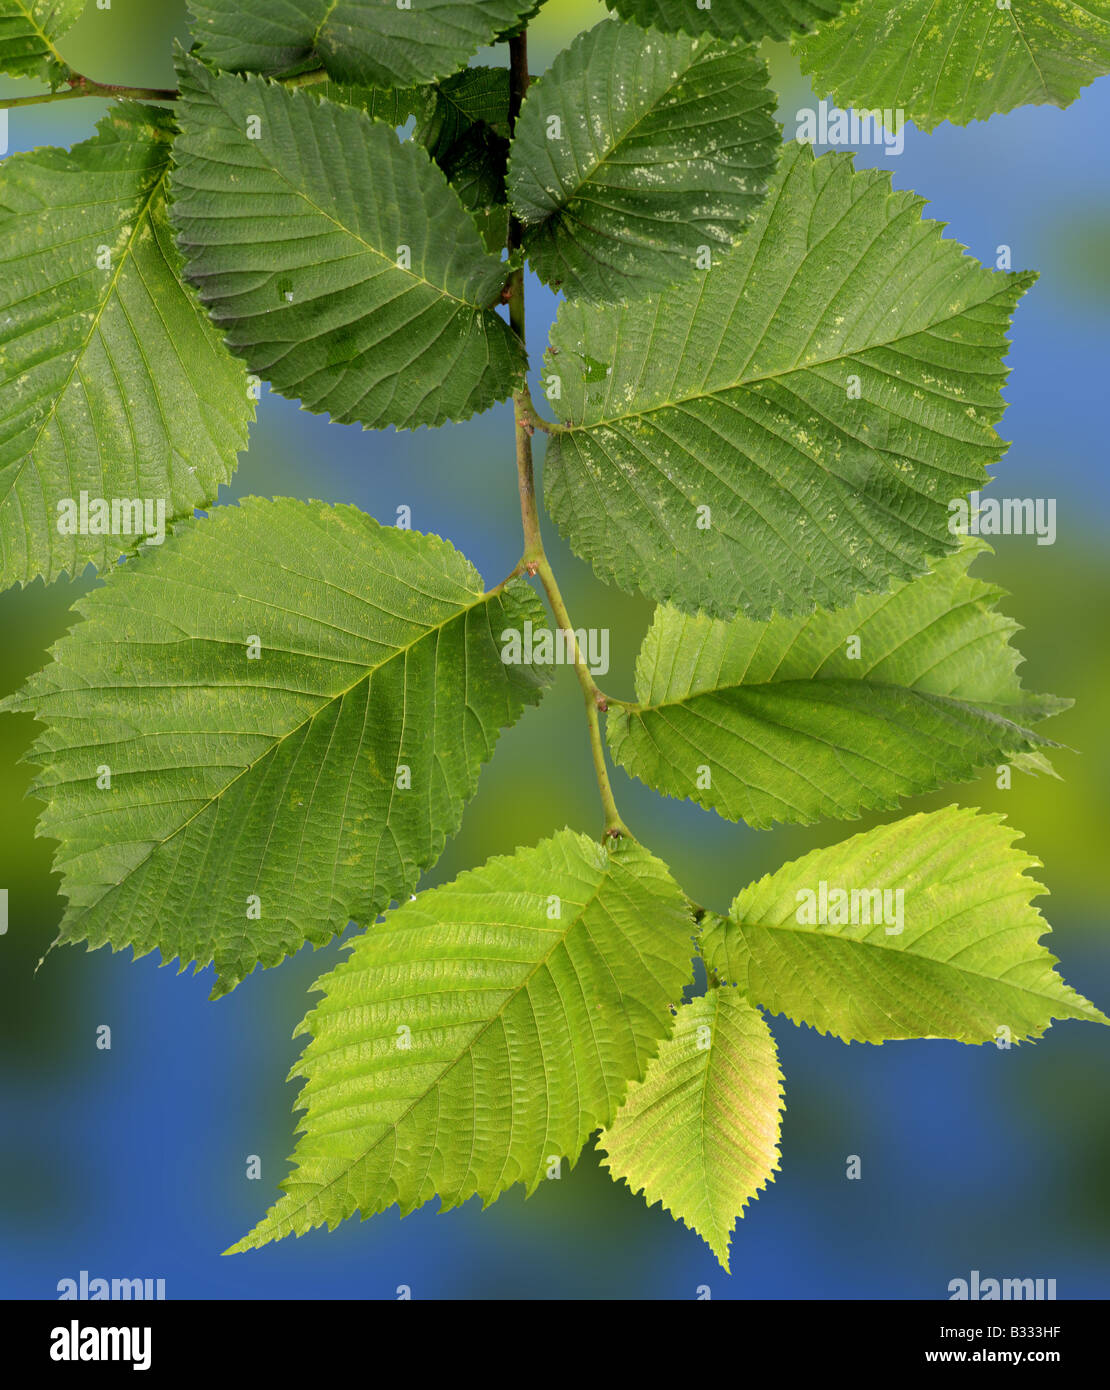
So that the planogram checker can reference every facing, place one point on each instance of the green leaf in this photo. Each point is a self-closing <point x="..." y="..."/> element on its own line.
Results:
<point x="475" y="169"/>
<point x="937" y="60"/>
<point x="635" y="155"/>
<point x="700" y="1133"/>
<point x="966" y="963"/>
<point x="520" y="25"/>
<point x="800" y="719"/>
<point x="729" y="19"/>
<point x="336" y="258"/>
<point x="394" y="105"/>
<point x="112" y="381"/>
<point x="789" y="428"/>
<point x="465" y="128"/>
<point x="479" y="95"/>
<point x="463" y="123"/>
<point x="483" y="1031"/>
<point x="29" y="30"/>
<point x="273" y="784"/>
<point x="372" y="42"/>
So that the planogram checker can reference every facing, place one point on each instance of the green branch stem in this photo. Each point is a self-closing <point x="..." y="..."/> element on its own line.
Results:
<point x="80" y="86"/>
<point x="84" y="87"/>
<point x="595" y="701"/>
<point x="526" y="422"/>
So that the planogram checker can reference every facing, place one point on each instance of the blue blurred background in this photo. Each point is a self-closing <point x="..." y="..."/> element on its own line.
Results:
<point x="133" y="1162"/>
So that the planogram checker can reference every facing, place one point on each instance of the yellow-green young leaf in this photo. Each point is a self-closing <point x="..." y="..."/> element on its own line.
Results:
<point x="700" y="1133"/>
<point x="336" y="259"/>
<point x="479" y="1035"/>
<point x="113" y="385"/>
<point x="379" y="42"/>
<point x="729" y="19"/>
<point x="944" y="60"/>
<point x="919" y="929"/>
<point x="637" y="156"/>
<point x="29" y="30"/>
<point x="267" y="728"/>
<point x="787" y="429"/>
<point x="799" y="719"/>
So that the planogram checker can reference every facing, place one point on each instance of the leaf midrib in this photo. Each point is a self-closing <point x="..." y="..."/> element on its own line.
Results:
<point x="712" y="393"/>
<point x="891" y="953"/>
<point x="639" y="710"/>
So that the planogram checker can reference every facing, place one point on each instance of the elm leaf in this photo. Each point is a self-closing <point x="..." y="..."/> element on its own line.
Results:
<point x="366" y="42"/>
<point x="938" y="60"/>
<point x="700" y="1133"/>
<point x="336" y="258"/>
<point x="957" y="956"/>
<point x="637" y="154"/>
<point x="483" y="1031"/>
<point x="729" y="19"/>
<point x="787" y="429"/>
<point x="801" y="719"/>
<point x="29" y="30"/>
<point x="112" y="381"/>
<point x="267" y="727"/>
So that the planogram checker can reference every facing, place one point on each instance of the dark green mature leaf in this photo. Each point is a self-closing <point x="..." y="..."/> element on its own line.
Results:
<point x="112" y="382"/>
<point x="637" y="156"/>
<point x="938" y="60"/>
<point x="477" y="96"/>
<point x="373" y="42"/>
<point x="336" y="258"/>
<point x="475" y="169"/>
<point x="29" y="30"/>
<point x="965" y="964"/>
<point x="700" y="1133"/>
<point x="483" y="1031"/>
<point x="394" y="105"/>
<point x="729" y="19"/>
<point x="463" y="123"/>
<point x="789" y="428"/>
<point x="465" y="128"/>
<point x="800" y="719"/>
<point x="291" y="705"/>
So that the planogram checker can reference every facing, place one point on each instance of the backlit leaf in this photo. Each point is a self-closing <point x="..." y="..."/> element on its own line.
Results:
<point x="957" y="957"/>
<point x="483" y="1031"/>
<point x="936" y="60"/>
<point x="266" y="728"/>
<point x="700" y="1133"/>
<point x="113" y="385"/>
